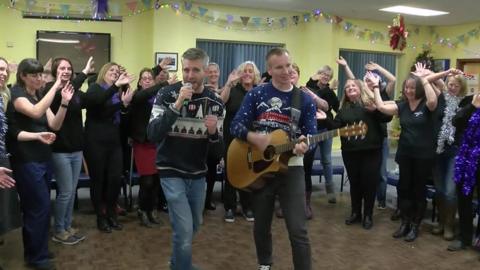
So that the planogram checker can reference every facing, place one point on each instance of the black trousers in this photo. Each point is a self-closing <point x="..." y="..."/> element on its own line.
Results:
<point x="105" y="165"/>
<point x="465" y="212"/>
<point x="230" y="194"/>
<point x="148" y="192"/>
<point x="363" y="169"/>
<point x="291" y="193"/>
<point x="412" y="191"/>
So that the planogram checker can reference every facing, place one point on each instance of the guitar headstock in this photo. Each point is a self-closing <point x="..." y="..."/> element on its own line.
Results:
<point x="354" y="130"/>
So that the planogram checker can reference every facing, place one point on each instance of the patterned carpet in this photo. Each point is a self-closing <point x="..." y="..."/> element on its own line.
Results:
<point x="230" y="246"/>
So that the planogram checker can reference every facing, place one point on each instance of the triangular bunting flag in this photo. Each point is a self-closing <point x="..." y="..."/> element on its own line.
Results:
<point x="244" y="20"/>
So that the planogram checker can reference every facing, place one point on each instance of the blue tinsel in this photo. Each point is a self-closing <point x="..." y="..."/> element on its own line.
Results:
<point x="467" y="160"/>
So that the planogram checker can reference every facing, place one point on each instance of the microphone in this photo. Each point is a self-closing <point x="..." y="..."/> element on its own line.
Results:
<point x="188" y="85"/>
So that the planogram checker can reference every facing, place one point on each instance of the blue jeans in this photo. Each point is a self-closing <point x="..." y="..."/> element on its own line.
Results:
<point x="382" y="185"/>
<point x="326" y="156"/>
<point x="185" y="199"/>
<point x="66" y="171"/>
<point x="444" y="170"/>
<point x="33" y="186"/>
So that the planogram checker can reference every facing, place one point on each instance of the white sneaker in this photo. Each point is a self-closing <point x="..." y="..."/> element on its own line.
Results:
<point x="264" y="267"/>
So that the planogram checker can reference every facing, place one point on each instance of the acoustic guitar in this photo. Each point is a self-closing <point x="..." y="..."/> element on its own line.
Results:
<point x="248" y="167"/>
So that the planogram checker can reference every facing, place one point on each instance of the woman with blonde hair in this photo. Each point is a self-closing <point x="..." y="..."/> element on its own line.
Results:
<point x="243" y="79"/>
<point x="358" y="105"/>
<point x="106" y="101"/>
<point x="450" y="95"/>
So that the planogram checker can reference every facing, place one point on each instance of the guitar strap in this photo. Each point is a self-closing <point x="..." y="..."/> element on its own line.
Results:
<point x="295" y="111"/>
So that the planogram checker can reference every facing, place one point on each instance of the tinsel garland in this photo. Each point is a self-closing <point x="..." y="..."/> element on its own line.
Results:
<point x="466" y="162"/>
<point x="447" y="131"/>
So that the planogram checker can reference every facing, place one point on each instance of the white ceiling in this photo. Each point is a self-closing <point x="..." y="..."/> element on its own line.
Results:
<point x="461" y="11"/>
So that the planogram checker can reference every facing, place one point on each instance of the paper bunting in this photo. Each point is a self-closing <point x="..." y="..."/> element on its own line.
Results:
<point x="202" y="11"/>
<point x="115" y="9"/>
<point x="257" y="21"/>
<point x="295" y="19"/>
<point x="283" y="22"/>
<point x="306" y="17"/>
<point x="65" y="9"/>
<point x="188" y="6"/>
<point x="132" y="6"/>
<point x="244" y="20"/>
<point x="229" y="19"/>
<point x="147" y="3"/>
<point x="48" y="7"/>
<point x="13" y="3"/>
<point x="270" y="21"/>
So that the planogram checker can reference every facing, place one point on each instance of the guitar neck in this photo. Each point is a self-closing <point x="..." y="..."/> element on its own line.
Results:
<point x="282" y="148"/>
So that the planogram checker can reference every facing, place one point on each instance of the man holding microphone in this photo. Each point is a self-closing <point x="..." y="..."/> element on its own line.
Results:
<point x="183" y="123"/>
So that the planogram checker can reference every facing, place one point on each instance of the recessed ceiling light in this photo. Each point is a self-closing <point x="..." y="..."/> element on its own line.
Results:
<point x="414" y="11"/>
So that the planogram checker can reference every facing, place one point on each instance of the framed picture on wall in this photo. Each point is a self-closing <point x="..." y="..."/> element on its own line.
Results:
<point x="173" y="66"/>
<point x="441" y="64"/>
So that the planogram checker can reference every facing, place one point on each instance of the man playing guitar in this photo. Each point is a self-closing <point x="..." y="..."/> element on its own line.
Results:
<point x="264" y="109"/>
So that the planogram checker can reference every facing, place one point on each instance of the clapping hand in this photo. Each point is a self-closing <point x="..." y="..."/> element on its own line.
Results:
<point x="89" y="67"/>
<point x="165" y="62"/>
<point x="211" y="124"/>
<point x="46" y="137"/>
<point x="341" y="61"/>
<point x="371" y="66"/>
<point x="67" y="93"/>
<point x="5" y="180"/>
<point x="126" y="96"/>
<point x="421" y="70"/>
<point x="124" y="79"/>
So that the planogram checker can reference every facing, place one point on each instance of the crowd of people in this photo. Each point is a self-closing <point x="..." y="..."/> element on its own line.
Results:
<point x="43" y="137"/>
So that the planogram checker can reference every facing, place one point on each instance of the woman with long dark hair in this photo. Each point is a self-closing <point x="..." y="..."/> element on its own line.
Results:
<point x="415" y="147"/>
<point x="67" y="149"/>
<point x="31" y="117"/>
<point x="106" y="102"/>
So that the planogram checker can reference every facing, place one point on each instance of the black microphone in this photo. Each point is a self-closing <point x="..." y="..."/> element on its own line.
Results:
<point x="188" y="85"/>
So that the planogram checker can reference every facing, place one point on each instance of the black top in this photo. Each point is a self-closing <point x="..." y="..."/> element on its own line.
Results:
<point x="460" y="120"/>
<point x="103" y="111"/>
<point x="354" y="113"/>
<point x="385" y="97"/>
<point x="329" y="96"/>
<point x="181" y="136"/>
<point x="70" y="136"/>
<point x="139" y="113"/>
<point x="417" y="136"/>
<point x="27" y="151"/>
<point x="237" y="93"/>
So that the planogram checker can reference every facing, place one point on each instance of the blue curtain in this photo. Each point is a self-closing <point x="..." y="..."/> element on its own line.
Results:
<point x="357" y="60"/>
<point x="228" y="55"/>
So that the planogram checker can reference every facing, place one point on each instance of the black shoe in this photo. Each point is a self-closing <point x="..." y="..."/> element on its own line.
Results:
<point x="402" y="230"/>
<point x="412" y="234"/>
<point x="396" y="215"/>
<point x="210" y="206"/>
<point x="142" y="216"/>
<point x="354" y="218"/>
<point x="51" y="255"/>
<point x="102" y="225"/>
<point x="152" y="218"/>
<point x="41" y="266"/>
<point x="367" y="223"/>
<point x="163" y="207"/>
<point x="113" y="222"/>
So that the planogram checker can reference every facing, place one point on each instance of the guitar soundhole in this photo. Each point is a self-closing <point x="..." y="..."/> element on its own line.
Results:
<point x="269" y="153"/>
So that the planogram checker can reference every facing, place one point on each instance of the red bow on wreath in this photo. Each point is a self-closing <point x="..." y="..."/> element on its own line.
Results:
<point x="398" y="35"/>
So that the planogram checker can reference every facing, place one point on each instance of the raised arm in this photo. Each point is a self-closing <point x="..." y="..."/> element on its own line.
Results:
<point x="430" y="95"/>
<point x="342" y="62"/>
<point x="388" y="108"/>
<point x="55" y="120"/>
<point x="232" y="80"/>
<point x="391" y="79"/>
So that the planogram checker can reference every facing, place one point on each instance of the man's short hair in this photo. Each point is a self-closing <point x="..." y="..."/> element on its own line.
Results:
<point x="196" y="54"/>
<point x="278" y="51"/>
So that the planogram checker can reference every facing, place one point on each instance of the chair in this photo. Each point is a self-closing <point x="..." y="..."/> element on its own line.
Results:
<point x="317" y="169"/>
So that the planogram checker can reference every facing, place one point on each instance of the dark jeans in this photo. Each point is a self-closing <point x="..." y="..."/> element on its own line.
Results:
<point x="33" y="186"/>
<point x="411" y="189"/>
<point x="211" y="177"/>
<point x="230" y="195"/>
<point x="363" y="169"/>
<point x="105" y="167"/>
<point x="291" y="193"/>
<point x="465" y="212"/>
<point x="148" y="192"/>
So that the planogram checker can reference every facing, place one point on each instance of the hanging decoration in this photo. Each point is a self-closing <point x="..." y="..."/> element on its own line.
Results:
<point x="103" y="10"/>
<point x="398" y="34"/>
